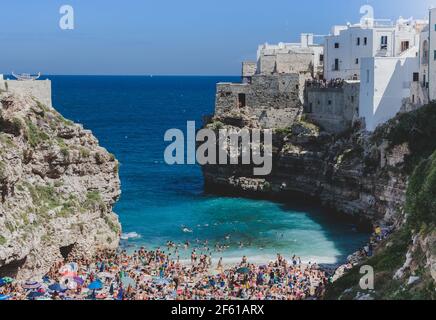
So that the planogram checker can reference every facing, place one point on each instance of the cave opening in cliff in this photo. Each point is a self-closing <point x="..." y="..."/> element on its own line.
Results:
<point x="65" y="251"/>
<point x="11" y="269"/>
<point x="241" y="100"/>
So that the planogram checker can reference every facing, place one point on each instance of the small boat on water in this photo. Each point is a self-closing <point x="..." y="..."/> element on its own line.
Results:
<point x="26" y="76"/>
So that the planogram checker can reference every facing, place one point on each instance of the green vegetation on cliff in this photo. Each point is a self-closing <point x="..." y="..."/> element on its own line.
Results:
<point x="416" y="237"/>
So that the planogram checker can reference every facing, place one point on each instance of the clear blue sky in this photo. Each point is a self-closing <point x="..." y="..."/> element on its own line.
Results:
<point x="167" y="36"/>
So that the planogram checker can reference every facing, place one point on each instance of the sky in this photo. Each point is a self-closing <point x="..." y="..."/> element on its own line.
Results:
<point x="167" y="37"/>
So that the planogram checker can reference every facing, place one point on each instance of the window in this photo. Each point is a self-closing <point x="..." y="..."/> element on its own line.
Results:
<point x="367" y="76"/>
<point x="352" y="99"/>
<point x="336" y="45"/>
<point x="404" y="45"/>
<point x="434" y="55"/>
<point x="321" y="58"/>
<point x="384" y="42"/>
<point x="425" y="52"/>
<point x="330" y="102"/>
<point x="310" y="108"/>
<point x="358" y="41"/>
<point x="365" y="41"/>
<point x="415" y="77"/>
<point x="357" y="60"/>
<point x="435" y="27"/>
<point x="336" y="66"/>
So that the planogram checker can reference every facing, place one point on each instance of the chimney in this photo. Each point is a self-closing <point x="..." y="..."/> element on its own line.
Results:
<point x="306" y="40"/>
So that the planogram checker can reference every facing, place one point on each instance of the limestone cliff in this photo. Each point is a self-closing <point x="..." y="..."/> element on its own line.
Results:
<point x="361" y="175"/>
<point x="352" y="173"/>
<point x="57" y="189"/>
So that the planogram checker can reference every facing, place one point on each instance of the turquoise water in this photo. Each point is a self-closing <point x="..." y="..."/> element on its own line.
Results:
<point x="130" y="115"/>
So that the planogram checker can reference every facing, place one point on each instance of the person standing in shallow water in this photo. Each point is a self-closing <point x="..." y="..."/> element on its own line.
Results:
<point x="220" y="264"/>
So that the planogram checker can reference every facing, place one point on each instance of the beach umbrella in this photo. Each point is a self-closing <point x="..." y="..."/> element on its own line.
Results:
<point x="127" y="281"/>
<point x="56" y="287"/>
<point x="243" y="270"/>
<point x="34" y="294"/>
<point x="95" y="285"/>
<point x="31" y="285"/>
<point x="6" y="280"/>
<point x="4" y="297"/>
<point x="120" y="295"/>
<point x="79" y="280"/>
<point x="74" y="267"/>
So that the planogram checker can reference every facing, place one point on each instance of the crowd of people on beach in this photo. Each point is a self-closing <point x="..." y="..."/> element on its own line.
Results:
<point x="156" y="275"/>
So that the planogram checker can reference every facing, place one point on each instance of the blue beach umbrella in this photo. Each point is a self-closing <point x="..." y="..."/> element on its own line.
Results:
<point x="5" y="280"/>
<point x="95" y="285"/>
<point x="4" y="297"/>
<point x="56" y="287"/>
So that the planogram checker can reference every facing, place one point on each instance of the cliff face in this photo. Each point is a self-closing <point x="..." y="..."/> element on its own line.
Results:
<point x="354" y="173"/>
<point x="387" y="178"/>
<point x="57" y="189"/>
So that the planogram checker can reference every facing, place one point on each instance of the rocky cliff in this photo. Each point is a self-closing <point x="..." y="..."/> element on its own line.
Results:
<point x="360" y="175"/>
<point x="353" y="173"/>
<point x="57" y="189"/>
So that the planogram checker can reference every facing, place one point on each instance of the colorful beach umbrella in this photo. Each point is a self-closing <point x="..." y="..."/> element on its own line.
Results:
<point x="79" y="280"/>
<point x="95" y="285"/>
<point x="5" y="280"/>
<point x="31" y="285"/>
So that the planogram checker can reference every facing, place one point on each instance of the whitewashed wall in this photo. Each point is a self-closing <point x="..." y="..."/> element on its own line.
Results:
<point x="385" y="82"/>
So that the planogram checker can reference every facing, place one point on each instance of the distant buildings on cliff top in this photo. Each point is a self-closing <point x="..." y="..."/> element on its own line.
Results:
<point x="369" y="71"/>
<point x="26" y="84"/>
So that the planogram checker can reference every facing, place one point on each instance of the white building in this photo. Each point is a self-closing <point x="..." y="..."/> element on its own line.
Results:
<point x="431" y="55"/>
<point x="385" y="83"/>
<point x="345" y="48"/>
<point x="291" y="57"/>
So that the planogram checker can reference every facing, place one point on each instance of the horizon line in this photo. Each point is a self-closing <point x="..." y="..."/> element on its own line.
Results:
<point x="135" y="75"/>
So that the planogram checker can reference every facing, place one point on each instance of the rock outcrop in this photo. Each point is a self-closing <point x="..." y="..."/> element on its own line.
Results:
<point x="386" y="178"/>
<point x="353" y="173"/>
<point x="57" y="189"/>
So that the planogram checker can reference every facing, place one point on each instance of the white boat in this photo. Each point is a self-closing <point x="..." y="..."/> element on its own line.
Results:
<point x="26" y="76"/>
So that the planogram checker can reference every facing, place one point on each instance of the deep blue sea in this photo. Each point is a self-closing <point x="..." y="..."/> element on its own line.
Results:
<point x="129" y="116"/>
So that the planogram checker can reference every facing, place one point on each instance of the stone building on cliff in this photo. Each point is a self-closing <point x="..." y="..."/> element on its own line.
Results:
<point x="273" y="86"/>
<point x="39" y="89"/>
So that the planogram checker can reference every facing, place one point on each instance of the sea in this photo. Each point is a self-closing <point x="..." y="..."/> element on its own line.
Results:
<point x="159" y="203"/>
